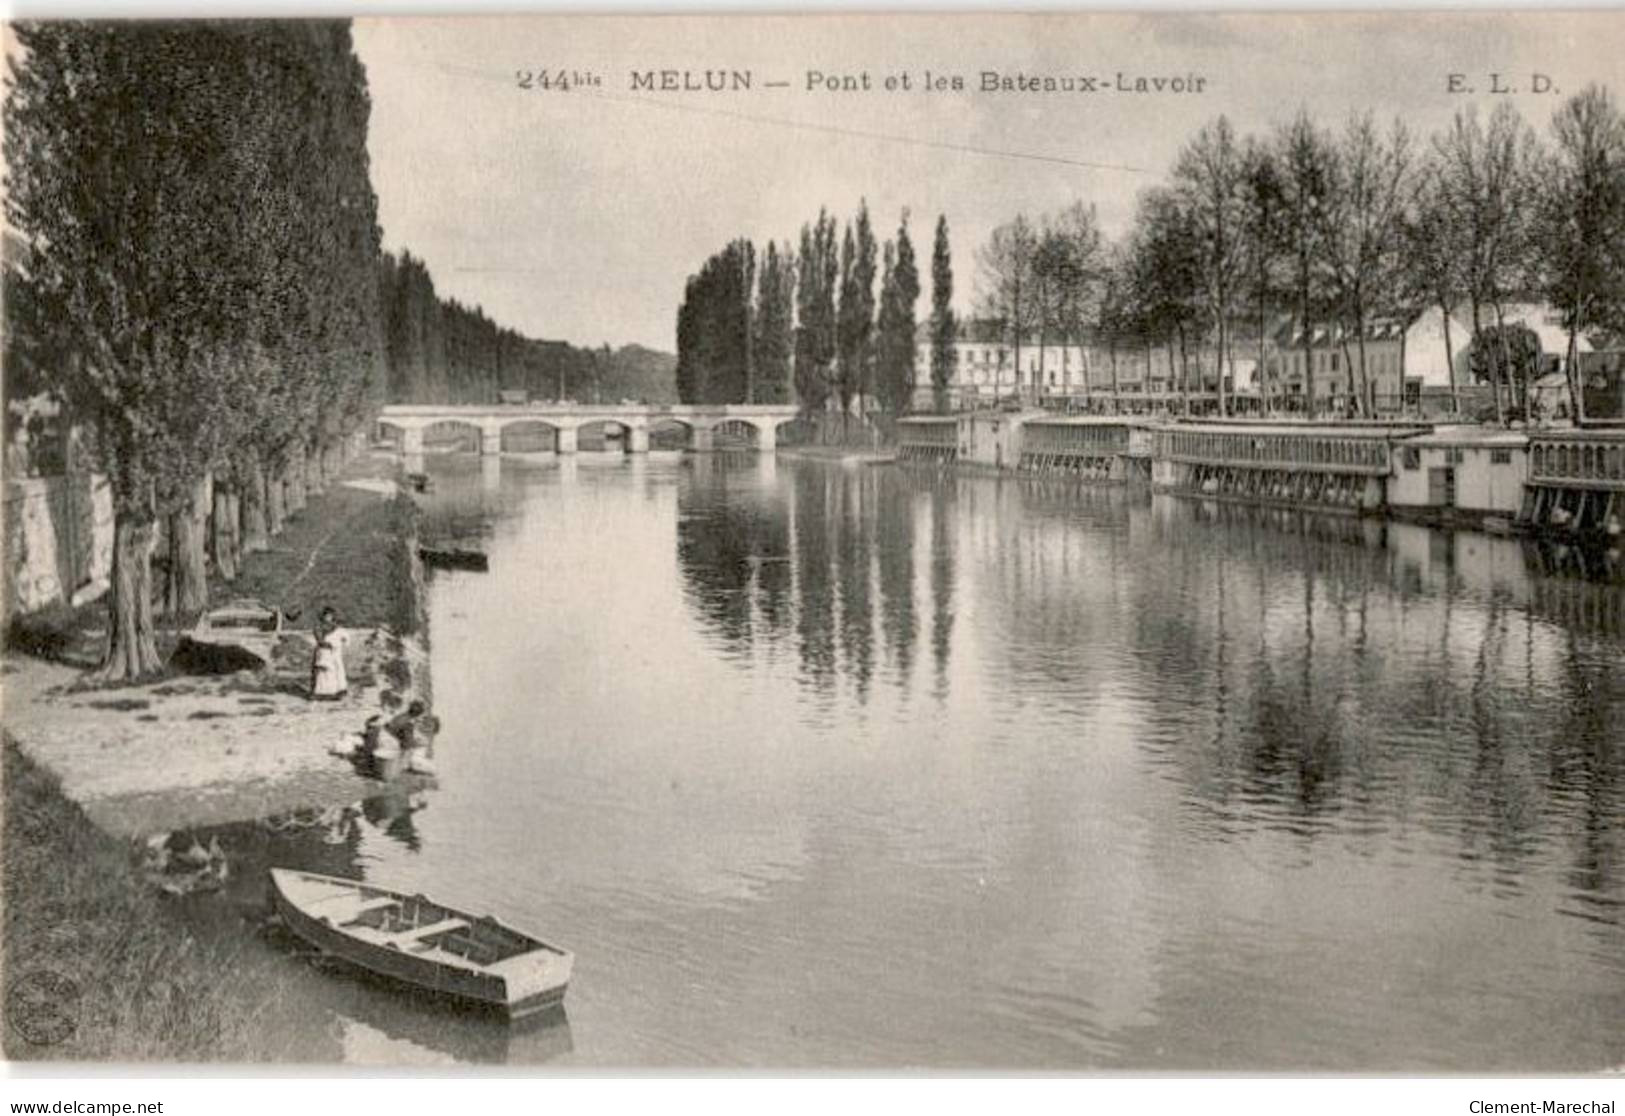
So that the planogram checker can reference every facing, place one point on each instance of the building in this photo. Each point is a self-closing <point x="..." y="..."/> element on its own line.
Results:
<point x="988" y="369"/>
<point x="1460" y="474"/>
<point x="1407" y="366"/>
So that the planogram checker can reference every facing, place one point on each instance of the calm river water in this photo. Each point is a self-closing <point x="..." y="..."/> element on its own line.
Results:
<point x="822" y="765"/>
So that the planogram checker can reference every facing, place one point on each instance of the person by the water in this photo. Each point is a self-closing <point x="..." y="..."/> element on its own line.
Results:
<point x="328" y="681"/>
<point x="410" y="726"/>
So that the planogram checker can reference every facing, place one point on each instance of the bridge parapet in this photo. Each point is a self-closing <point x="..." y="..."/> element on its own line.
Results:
<point x="412" y="419"/>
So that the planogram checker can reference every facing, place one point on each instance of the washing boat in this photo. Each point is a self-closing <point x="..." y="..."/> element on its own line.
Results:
<point x="413" y="940"/>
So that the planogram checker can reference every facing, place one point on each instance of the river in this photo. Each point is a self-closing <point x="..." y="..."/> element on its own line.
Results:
<point x="859" y="767"/>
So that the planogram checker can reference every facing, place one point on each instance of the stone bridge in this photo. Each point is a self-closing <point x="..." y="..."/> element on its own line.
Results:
<point x="757" y="422"/>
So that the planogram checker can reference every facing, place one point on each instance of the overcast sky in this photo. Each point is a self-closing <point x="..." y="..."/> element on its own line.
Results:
<point x="578" y="215"/>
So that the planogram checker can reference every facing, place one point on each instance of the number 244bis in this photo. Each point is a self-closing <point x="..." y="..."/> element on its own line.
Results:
<point x="561" y="81"/>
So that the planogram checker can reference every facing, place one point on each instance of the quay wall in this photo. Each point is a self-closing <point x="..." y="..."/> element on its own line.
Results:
<point x="58" y="540"/>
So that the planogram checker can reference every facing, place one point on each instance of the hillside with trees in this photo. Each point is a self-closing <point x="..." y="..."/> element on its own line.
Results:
<point x="442" y="351"/>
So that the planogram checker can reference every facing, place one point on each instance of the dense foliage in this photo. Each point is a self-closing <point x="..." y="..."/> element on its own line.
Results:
<point x="202" y="237"/>
<point x="806" y="326"/>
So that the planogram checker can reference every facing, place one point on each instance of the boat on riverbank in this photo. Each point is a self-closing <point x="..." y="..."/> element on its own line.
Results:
<point x="454" y="558"/>
<point x="243" y="625"/>
<point x="421" y="943"/>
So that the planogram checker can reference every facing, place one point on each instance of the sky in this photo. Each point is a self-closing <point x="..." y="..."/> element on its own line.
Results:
<point x="578" y="215"/>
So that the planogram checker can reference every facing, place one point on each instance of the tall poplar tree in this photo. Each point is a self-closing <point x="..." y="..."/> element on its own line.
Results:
<point x="943" y="326"/>
<point x="894" y="340"/>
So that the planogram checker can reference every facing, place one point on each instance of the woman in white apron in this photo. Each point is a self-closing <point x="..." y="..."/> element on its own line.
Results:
<point x="328" y="681"/>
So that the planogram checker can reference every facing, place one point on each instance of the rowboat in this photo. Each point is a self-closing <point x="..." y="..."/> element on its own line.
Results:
<point x="242" y="625"/>
<point x="415" y="941"/>
<point x="454" y="558"/>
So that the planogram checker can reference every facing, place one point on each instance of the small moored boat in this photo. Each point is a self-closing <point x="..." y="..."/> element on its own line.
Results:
<point x="418" y="942"/>
<point x="242" y="625"/>
<point x="454" y="558"/>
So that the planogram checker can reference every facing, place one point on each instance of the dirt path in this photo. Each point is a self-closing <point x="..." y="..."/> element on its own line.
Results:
<point x="196" y="749"/>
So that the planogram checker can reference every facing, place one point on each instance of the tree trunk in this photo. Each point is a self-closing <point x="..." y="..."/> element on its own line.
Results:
<point x="316" y="473"/>
<point x="1219" y="362"/>
<point x="1369" y="402"/>
<point x="255" y="530"/>
<point x="293" y="479"/>
<point x="1263" y="375"/>
<point x="1571" y="375"/>
<point x="1450" y="361"/>
<point x="1184" y="369"/>
<point x="1495" y="379"/>
<point x="276" y="508"/>
<point x="186" y="586"/>
<point x="1308" y="342"/>
<point x="1348" y="368"/>
<point x="225" y="530"/>
<point x="132" y="652"/>
<point x="1117" y="399"/>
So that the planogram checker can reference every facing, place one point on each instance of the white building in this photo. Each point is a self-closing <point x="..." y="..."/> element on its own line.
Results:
<point x="988" y="369"/>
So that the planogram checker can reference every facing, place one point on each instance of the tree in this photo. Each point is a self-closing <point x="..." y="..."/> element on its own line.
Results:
<point x="1209" y="185"/>
<point x="1484" y="174"/>
<point x="120" y="141"/>
<point x="1264" y="207"/>
<point x="894" y="345"/>
<point x="714" y="335"/>
<point x="1077" y="272"/>
<point x="1581" y="222"/>
<point x="855" y="314"/>
<point x="1433" y="274"/>
<point x="1361" y="227"/>
<point x="1510" y="352"/>
<point x="943" y="327"/>
<point x="1115" y="312"/>
<point x="1306" y="159"/>
<point x="819" y="268"/>
<point x="1165" y="278"/>
<point x="1005" y="282"/>
<point x="774" y="325"/>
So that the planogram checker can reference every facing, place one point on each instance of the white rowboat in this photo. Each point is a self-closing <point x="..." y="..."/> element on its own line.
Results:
<point x="419" y="942"/>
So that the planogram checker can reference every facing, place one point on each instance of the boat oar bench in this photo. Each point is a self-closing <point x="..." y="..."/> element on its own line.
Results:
<point x="342" y="909"/>
<point x="406" y="938"/>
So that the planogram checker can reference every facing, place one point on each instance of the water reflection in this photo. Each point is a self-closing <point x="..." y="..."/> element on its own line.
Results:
<point x="1173" y="785"/>
<point x="824" y="562"/>
<point x="1315" y="687"/>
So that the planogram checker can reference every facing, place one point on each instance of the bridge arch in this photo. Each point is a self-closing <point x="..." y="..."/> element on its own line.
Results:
<point x="608" y="434"/>
<point x="668" y="432"/>
<point x="445" y="435"/>
<point x="736" y="432"/>
<point x="528" y="435"/>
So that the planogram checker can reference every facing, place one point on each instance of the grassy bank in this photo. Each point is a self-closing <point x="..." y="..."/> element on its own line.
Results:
<point x="76" y="908"/>
<point x="343" y="549"/>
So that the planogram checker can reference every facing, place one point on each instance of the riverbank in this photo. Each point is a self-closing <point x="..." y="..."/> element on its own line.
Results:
<point x="195" y="748"/>
<point x="96" y="968"/>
